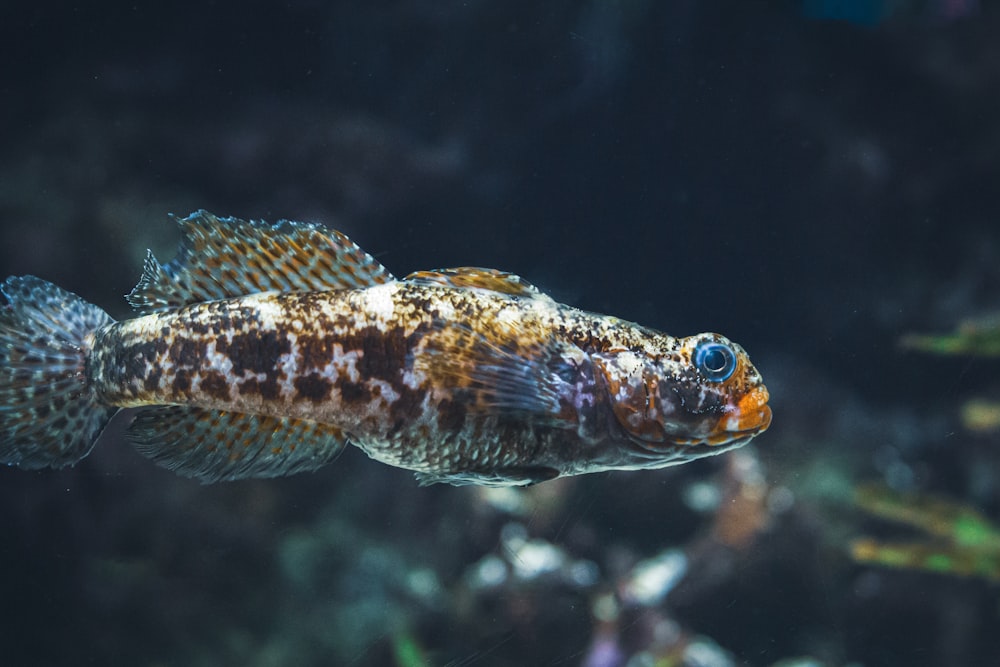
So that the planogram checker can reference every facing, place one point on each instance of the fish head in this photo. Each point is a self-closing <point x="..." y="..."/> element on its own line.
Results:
<point x="697" y="397"/>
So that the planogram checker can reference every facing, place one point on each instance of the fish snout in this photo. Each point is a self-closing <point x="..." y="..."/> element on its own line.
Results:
<point x="751" y="414"/>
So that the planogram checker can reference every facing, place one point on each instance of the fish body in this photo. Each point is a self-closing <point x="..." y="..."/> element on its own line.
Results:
<point x="263" y="350"/>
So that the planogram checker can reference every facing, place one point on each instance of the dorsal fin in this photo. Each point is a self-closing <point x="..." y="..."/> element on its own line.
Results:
<point x="220" y="258"/>
<point x="475" y="277"/>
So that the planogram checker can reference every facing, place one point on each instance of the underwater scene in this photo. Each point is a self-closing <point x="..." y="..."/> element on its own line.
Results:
<point x="476" y="334"/>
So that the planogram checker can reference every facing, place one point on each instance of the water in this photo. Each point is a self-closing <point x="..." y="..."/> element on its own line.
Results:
<point x="814" y="190"/>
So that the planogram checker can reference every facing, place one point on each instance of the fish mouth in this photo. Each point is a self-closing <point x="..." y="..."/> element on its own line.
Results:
<point x="747" y="418"/>
<point x="753" y="409"/>
<point x="740" y="422"/>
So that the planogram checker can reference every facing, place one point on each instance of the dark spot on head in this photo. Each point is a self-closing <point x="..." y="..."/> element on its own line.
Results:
<point x="686" y="392"/>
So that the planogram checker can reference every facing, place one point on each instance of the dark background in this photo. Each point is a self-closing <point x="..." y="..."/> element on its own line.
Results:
<point x="811" y="179"/>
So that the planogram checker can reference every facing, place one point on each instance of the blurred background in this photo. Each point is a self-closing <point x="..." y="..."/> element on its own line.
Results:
<point x="816" y="180"/>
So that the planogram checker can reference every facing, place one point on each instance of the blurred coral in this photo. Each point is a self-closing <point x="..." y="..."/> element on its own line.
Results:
<point x="978" y="337"/>
<point x="963" y="542"/>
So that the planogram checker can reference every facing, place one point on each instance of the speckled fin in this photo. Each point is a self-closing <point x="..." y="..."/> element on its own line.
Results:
<point x="220" y="258"/>
<point x="50" y="416"/>
<point x="495" y="377"/>
<point x="215" y="446"/>
<point x="475" y="277"/>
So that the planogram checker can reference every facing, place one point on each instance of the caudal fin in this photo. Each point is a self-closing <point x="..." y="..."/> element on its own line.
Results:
<point x="49" y="415"/>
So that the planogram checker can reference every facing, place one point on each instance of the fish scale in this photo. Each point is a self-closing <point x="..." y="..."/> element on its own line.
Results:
<point x="263" y="350"/>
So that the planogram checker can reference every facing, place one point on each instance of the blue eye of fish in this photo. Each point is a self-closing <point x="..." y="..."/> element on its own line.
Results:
<point x="715" y="361"/>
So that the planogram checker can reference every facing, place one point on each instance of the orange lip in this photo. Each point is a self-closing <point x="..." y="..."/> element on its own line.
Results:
<point x="749" y="417"/>
<point x="754" y="413"/>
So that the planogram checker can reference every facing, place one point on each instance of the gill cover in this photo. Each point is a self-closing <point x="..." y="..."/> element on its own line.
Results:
<point x="633" y="390"/>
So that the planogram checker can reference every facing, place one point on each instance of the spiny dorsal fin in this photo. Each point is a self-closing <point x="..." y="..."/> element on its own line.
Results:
<point x="475" y="277"/>
<point x="220" y="258"/>
<point x="214" y="446"/>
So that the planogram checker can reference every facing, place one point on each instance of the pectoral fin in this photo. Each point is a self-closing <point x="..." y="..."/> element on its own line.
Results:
<point x="504" y="373"/>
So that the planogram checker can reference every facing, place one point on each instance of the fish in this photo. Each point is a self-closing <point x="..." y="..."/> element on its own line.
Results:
<point x="263" y="350"/>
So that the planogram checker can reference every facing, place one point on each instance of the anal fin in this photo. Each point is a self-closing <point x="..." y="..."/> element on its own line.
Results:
<point x="214" y="446"/>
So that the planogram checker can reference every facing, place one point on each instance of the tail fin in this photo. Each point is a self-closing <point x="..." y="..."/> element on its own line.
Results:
<point x="49" y="415"/>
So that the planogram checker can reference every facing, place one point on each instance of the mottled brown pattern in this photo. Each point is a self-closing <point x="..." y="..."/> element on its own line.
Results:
<point x="459" y="383"/>
<point x="181" y="384"/>
<point x="263" y="349"/>
<point x="353" y="393"/>
<point x="187" y="352"/>
<point x="385" y="353"/>
<point x="312" y="387"/>
<point x="317" y="351"/>
<point x="254" y="351"/>
<point x="215" y="385"/>
<point x="250" y="387"/>
<point x="151" y="382"/>
<point x="269" y="390"/>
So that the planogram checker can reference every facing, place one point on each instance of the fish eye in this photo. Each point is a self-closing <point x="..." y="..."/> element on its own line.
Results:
<point x="715" y="361"/>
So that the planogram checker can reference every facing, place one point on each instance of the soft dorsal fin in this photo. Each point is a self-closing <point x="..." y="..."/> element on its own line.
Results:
<point x="220" y="258"/>
<point x="475" y="277"/>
